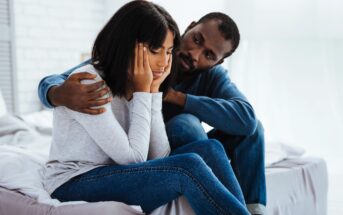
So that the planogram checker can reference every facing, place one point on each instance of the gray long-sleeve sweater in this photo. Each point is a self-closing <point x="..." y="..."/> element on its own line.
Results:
<point x="127" y="132"/>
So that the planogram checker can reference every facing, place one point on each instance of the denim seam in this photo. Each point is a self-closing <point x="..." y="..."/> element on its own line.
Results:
<point x="168" y="169"/>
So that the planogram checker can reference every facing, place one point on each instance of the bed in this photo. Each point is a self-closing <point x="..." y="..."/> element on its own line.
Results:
<point x="295" y="184"/>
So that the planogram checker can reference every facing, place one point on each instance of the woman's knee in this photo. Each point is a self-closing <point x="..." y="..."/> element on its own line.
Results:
<point x="190" y="161"/>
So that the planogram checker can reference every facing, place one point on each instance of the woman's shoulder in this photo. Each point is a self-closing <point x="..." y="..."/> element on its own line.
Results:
<point x="90" y="69"/>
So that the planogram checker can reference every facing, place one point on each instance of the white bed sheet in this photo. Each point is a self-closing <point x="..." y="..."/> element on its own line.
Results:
<point x="297" y="186"/>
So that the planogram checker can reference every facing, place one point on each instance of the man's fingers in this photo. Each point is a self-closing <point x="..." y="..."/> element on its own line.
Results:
<point x="100" y="102"/>
<point x="93" y="111"/>
<point x="98" y="94"/>
<point x="94" y="86"/>
<point x="82" y="76"/>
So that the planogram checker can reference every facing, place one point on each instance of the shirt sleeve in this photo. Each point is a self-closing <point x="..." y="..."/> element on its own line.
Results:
<point x="159" y="144"/>
<point x="223" y="107"/>
<point x="108" y="134"/>
<point x="53" y="80"/>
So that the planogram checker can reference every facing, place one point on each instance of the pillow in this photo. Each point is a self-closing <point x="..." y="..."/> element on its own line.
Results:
<point x="3" y="110"/>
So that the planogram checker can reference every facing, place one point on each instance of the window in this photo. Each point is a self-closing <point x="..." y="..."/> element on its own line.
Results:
<point x="7" y="69"/>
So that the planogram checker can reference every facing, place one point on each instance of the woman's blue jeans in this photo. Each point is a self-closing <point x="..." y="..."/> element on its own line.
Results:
<point x="200" y="171"/>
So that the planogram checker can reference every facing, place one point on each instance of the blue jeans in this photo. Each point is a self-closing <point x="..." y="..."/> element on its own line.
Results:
<point x="246" y="153"/>
<point x="200" y="171"/>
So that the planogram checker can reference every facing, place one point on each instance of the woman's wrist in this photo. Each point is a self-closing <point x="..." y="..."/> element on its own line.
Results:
<point x="155" y="89"/>
<point x="142" y="89"/>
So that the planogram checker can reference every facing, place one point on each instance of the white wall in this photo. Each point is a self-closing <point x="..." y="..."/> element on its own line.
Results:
<point x="184" y="12"/>
<point x="50" y="37"/>
<point x="289" y="64"/>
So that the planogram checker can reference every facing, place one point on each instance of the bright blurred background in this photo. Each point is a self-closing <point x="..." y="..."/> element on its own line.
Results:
<point x="289" y="62"/>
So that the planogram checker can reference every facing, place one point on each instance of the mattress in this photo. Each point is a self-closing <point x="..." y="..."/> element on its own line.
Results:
<point x="295" y="186"/>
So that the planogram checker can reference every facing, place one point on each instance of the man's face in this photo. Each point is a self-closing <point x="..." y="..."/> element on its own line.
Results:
<point x="202" y="47"/>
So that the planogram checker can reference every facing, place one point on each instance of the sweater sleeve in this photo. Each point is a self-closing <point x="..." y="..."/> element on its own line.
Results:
<point x="224" y="107"/>
<point x="108" y="134"/>
<point x="53" y="80"/>
<point x="159" y="144"/>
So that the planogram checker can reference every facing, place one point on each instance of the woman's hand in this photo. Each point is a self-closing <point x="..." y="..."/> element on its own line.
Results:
<point x="142" y="74"/>
<point x="155" y="85"/>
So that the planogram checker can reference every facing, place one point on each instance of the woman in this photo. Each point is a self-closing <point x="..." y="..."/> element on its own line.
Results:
<point x="121" y="154"/>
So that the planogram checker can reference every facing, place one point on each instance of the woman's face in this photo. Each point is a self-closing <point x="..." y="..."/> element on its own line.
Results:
<point x="159" y="58"/>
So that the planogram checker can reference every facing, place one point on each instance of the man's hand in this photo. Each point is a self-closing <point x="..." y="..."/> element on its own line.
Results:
<point x="80" y="97"/>
<point x="175" y="97"/>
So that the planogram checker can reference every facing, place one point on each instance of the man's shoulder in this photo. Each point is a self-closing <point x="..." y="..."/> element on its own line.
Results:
<point x="217" y="72"/>
<point x="219" y="69"/>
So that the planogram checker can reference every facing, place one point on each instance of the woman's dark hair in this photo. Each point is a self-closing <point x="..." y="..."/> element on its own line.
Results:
<point x="113" y="50"/>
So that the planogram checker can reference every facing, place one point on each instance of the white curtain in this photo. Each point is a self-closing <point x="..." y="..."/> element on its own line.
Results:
<point x="290" y="66"/>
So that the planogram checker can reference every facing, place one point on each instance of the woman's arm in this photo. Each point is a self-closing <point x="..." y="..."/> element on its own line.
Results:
<point x="159" y="144"/>
<point x="108" y="134"/>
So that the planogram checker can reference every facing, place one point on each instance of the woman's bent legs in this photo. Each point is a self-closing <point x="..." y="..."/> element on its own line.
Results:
<point x="154" y="183"/>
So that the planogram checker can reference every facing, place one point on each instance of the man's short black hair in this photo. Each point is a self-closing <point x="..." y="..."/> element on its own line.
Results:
<point x="226" y="26"/>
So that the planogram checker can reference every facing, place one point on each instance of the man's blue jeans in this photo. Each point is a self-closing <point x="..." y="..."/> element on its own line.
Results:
<point x="246" y="154"/>
<point x="200" y="171"/>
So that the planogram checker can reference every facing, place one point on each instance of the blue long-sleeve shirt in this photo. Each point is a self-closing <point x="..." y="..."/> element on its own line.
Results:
<point x="214" y="99"/>
<point x="211" y="96"/>
<point x="54" y="80"/>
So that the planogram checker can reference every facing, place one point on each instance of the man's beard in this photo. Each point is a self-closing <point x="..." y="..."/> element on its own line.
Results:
<point x="187" y="60"/>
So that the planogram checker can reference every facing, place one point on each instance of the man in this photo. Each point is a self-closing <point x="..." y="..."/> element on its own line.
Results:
<point x="203" y="92"/>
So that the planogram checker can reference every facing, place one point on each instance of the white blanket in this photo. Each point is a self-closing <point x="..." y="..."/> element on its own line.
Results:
<point x="23" y="153"/>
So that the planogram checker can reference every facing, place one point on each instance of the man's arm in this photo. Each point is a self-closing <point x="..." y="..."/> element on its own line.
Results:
<point x="47" y="83"/>
<point x="223" y="106"/>
<point x="55" y="90"/>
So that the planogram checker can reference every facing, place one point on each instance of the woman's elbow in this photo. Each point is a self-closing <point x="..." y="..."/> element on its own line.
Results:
<point x="131" y="158"/>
